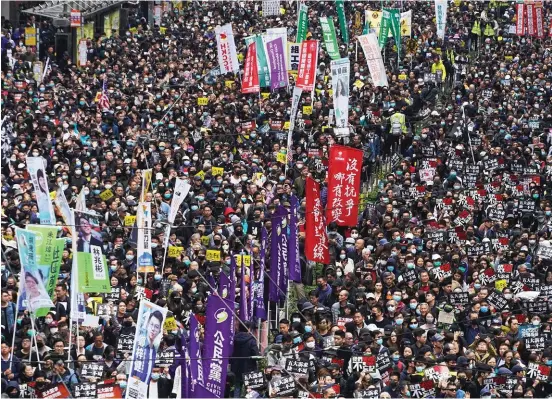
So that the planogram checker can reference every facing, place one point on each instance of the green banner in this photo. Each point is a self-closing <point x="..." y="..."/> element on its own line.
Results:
<point x="342" y="20"/>
<point x="50" y="283"/>
<point x="262" y="63"/>
<point x="396" y="27"/>
<point x="45" y="238"/>
<point x="328" y="32"/>
<point x="93" y="275"/>
<point x="302" y="23"/>
<point x="384" y="28"/>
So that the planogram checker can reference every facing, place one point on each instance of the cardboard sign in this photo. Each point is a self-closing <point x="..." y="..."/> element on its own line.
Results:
<point x="246" y="260"/>
<point x="229" y="83"/>
<point x="125" y="344"/>
<point x="307" y="109"/>
<point x="170" y="324"/>
<point x="282" y="158"/>
<point x="201" y="174"/>
<point x="202" y="101"/>
<point x="204" y="241"/>
<point x="283" y="386"/>
<point x="297" y="366"/>
<point x="94" y="370"/>
<point x="85" y="390"/>
<point x="174" y="252"/>
<point x="106" y="195"/>
<point x="130" y="220"/>
<point x="215" y="171"/>
<point x="254" y="380"/>
<point x="165" y="358"/>
<point x="114" y="295"/>
<point x="213" y="255"/>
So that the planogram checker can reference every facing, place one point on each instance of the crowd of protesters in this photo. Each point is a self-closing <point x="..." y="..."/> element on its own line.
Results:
<point x="443" y="282"/>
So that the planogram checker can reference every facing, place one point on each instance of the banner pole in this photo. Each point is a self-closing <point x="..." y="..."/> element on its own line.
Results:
<point x="15" y="321"/>
<point x="165" y="254"/>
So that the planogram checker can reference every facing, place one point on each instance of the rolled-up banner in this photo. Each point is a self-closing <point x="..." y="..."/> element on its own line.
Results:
<point x="340" y="85"/>
<point x="277" y="263"/>
<point x="344" y="185"/>
<point x="369" y="44"/>
<point x="149" y="332"/>
<point x="308" y="58"/>
<point x="250" y="82"/>
<point x="302" y="23"/>
<point x="244" y="303"/>
<point x="441" y="17"/>
<point x="276" y="57"/>
<point x="259" y="310"/>
<point x="217" y="345"/>
<point x="227" y="56"/>
<point x="33" y="292"/>
<point x="520" y="19"/>
<point x="181" y="190"/>
<point x="330" y="39"/>
<point x="87" y="245"/>
<point x="144" y="254"/>
<point x="294" y="106"/>
<point x="293" y="242"/>
<point x="35" y="166"/>
<point x="316" y="237"/>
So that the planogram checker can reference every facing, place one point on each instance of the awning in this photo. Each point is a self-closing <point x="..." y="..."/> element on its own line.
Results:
<point x="55" y="8"/>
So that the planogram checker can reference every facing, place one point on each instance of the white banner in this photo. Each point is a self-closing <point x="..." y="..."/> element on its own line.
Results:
<point x="35" y="166"/>
<point x="181" y="190"/>
<point x="226" y="47"/>
<point x="271" y="7"/>
<point x="64" y="208"/>
<point x="374" y="19"/>
<point x="340" y="86"/>
<point x="294" y="106"/>
<point x="143" y="222"/>
<point x="369" y="44"/>
<point x="441" y="17"/>
<point x="293" y="50"/>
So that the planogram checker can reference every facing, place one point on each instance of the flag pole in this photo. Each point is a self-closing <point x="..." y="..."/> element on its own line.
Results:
<point x="15" y="323"/>
<point x="36" y="343"/>
<point x="168" y="232"/>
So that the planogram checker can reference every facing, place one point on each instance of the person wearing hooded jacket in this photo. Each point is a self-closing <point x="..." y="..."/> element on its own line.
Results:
<point x="245" y="347"/>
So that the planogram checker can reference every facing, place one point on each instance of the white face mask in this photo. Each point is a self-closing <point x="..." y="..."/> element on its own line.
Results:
<point x="310" y="345"/>
<point x="225" y="247"/>
<point x="354" y="235"/>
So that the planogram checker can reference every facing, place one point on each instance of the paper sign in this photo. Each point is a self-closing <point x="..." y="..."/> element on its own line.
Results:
<point x="106" y="195"/>
<point x="205" y="240"/>
<point x="170" y="324"/>
<point x="246" y="260"/>
<point x="307" y="109"/>
<point x="130" y="220"/>
<point x="201" y="174"/>
<point x="213" y="255"/>
<point x="358" y="84"/>
<point x="202" y="101"/>
<point x="286" y="125"/>
<point x="265" y="95"/>
<point x="501" y="284"/>
<point x="229" y="83"/>
<point x="281" y="157"/>
<point x="217" y="171"/>
<point x="174" y="252"/>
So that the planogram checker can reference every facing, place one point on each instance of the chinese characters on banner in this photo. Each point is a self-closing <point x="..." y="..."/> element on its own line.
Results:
<point x="520" y="20"/>
<point x="316" y="238"/>
<point x="340" y="85"/>
<point x="531" y="28"/>
<point x="369" y="44"/>
<point x="343" y="185"/>
<point x="538" y="20"/>
<point x="308" y="59"/>
<point x="227" y="57"/>
<point x="441" y="17"/>
<point x="145" y="257"/>
<point x="39" y="178"/>
<point x="250" y="83"/>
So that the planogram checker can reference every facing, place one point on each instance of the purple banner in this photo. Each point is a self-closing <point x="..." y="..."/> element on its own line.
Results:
<point x="217" y="345"/>
<point x="284" y="275"/>
<point x="260" y="311"/>
<point x="195" y="366"/>
<point x="244" y="312"/>
<point x="278" y="70"/>
<point x="232" y="285"/>
<point x="293" y="247"/>
<point x="185" y="374"/>
<point x="275" y="255"/>
<point x="224" y="285"/>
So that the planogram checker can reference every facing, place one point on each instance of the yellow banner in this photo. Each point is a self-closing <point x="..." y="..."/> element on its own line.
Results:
<point x="246" y="260"/>
<point x="205" y="241"/>
<point x="281" y="157"/>
<point x="375" y="17"/>
<point x="30" y="36"/>
<point x="170" y="324"/>
<point x="201" y="174"/>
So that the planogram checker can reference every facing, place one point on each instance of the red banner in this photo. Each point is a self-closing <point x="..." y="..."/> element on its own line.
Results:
<point x="344" y="185"/>
<point x="316" y="238"/>
<point x="531" y="26"/>
<point x="308" y="59"/>
<point x="520" y="23"/>
<point x="250" y="83"/>
<point x="55" y="391"/>
<point x="538" y="20"/>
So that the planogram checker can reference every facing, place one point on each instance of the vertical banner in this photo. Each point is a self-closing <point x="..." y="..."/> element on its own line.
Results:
<point x="217" y="345"/>
<point x="343" y="185"/>
<point x="149" y="332"/>
<point x="76" y="18"/>
<point x="274" y="33"/>
<point x="372" y="53"/>
<point x="316" y="237"/>
<point x="406" y="23"/>
<point x="32" y="283"/>
<point x="244" y="312"/>
<point x="196" y="363"/>
<point x="181" y="190"/>
<point x="39" y="178"/>
<point x="293" y="50"/>
<point x="283" y="258"/>
<point x="302" y="23"/>
<point x="277" y="261"/>
<point x="293" y="242"/>
<point x="308" y="59"/>
<point x="63" y="207"/>
<point x="520" y="19"/>
<point x="330" y="40"/>
<point x="259" y="310"/>
<point x="373" y="19"/>
<point x="441" y="17"/>
<point x="539" y="22"/>
<point x="262" y="62"/>
<point x="276" y="57"/>
<point x="340" y="85"/>
<point x="147" y="175"/>
<point x="143" y="224"/>
<point x="87" y="245"/>
<point x="250" y="82"/>
<point x="395" y="14"/>
<point x="531" y="27"/>
<point x="385" y="28"/>
<point x="294" y="106"/>
<point x="342" y="20"/>
<point x="227" y="56"/>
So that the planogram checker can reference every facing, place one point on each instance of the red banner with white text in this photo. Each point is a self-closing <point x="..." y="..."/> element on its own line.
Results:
<point x="520" y="19"/>
<point x="316" y="238"/>
<point x="344" y="185"/>
<point x="250" y="83"/>
<point x="308" y="58"/>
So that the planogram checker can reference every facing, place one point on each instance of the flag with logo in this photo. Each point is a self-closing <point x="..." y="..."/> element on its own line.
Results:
<point x="37" y="172"/>
<point x="226" y="47"/>
<point x="293" y="242"/>
<point x="262" y="61"/>
<point x="342" y="20"/>
<point x="181" y="190"/>
<point x="250" y="82"/>
<point x="195" y="361"/>
<point x="330" y="40"/>
<point x="302" y="23"/>
<point x="143" y="224"/>
<point x="316" y="237"/>
<point x="259" y="311"/>
<point x="441" y="17"/>
<point x="372" y="53"/>
<point x="308" y="60"/>
<point x="276" y="58"/>
<point x="373" y="20"/>
<point x="278" y="253"/>
<point x="340" y="70"/>
<point x="294" y="106"/>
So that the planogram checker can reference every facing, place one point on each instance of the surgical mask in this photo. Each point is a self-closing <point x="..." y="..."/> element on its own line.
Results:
<point x="430" y="320"/>
<point x="413" y="306"/>
<point x="342" y="256"/>
<point x="308" y="329"/>
<point x="155" y="376"/>
<point x="310" y="345"/>
<point x="484" y="309"/>
<point x="535" y="322"/>
<point x="379" y="341"/>
<point x="193" y="290"/>
<point x="395" y="358"/>
<point x="508" y="296"/>
<point x="532" y="242"/>
<point x="391" y="308"/>
<point x="48" y="320"/>
<point x="549" y="362"/>
<point x="390" y="268"/>
<point x="157" y="277"/>
<point x="129" y="257"/>
<point x="399" y="322"/>
<point x="548" y="213"/>
<point x="413" y="251"/>
<point x="339" y="273"/>
<point x="477" y="286"/>
<point x="139" y="281"/>
<point x="154" y="245"/>
<point x="123" y="384"/>
<point x="297" y="340"/>
<point x="35" y="154"/>
<point x="410" y="265"/>
<point x="113" y="268"/>
<point x="419" y="369"/>
<point x="225" y="247"/>
<point x="397" y="298"/>
<point x="200" y="198"/>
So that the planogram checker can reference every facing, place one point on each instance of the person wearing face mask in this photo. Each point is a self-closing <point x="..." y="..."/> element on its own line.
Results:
<point x="160" y="385"/>
<point x="245" y="347"/>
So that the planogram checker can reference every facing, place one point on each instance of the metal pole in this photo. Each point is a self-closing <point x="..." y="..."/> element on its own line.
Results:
<point x="165" y="254"/>
<point x="36" y="344"/>
<point x="14" y="321"/>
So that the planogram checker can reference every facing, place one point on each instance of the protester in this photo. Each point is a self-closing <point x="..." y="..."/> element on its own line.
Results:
<point x="176" y="200"/>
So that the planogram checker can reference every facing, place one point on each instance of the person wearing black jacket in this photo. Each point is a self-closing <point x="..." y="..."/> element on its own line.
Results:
<point x="245" y="347"/>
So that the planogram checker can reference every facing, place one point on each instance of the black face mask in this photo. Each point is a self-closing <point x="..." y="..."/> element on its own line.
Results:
<point x="127" y="323"/>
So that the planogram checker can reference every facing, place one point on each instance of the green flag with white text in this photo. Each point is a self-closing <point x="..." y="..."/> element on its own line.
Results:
<point x="302" y="23"/>
<point x="342" y="20"/>
<point x="330" y="40"/>
<point x="395" y="14"/>
<point x="262" y="63"/>
<point x="384" y="28"/>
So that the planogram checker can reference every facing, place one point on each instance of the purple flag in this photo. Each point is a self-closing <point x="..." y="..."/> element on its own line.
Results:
<point x="244" y="312"/>
<point x="232" y="284"/>
<point x="195" y="366"/>
<point x="278" y="70"/>
<point x="217" y="345"/>
<point x="224" y="285"/>
<point x="260" y="311"/>
<point x="185" y="376"/>
<point x="275" y="256"/>
<point x="293" y="247"/>
<point x="212" y="283"/>
<point x="283" y="259"/>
